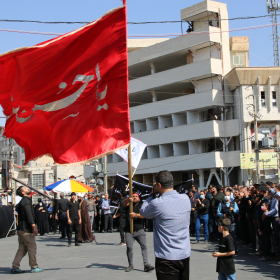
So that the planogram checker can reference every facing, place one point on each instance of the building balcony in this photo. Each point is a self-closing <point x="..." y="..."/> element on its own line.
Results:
<point x="173" y="49"/>
<point x="193" y="71"/>
<point x="195" y="101"/>
<point x="187" y="132"/>
<point x="180" y="163"/>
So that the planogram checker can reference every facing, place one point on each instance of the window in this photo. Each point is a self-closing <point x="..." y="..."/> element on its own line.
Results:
<point x="22" y="150"/>
<point x="50" y="175"/>
<point x="274" y="102"/>
<point x="38" y="181"/>
<point x="239" y="59"/>
<point x="263" y="98"/>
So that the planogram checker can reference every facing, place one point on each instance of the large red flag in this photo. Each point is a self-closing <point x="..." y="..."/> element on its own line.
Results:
<point x="68" y="97"/>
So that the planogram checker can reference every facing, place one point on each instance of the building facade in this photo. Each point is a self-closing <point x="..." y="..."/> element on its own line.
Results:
<point x="256" y="92"/>
<point x="181" y="106"/>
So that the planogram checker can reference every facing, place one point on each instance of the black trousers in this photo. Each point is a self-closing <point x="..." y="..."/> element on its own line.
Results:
<point x="122" y="224"/>
<point x="173" y="270"/>
<point x="73" y="227"/>
<point x="108" y="222"/>
<point x="275" y="226"/>
<point x="63" y="223"/>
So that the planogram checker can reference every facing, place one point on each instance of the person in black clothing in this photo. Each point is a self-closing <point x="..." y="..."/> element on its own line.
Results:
<point x="193" y="213"/>
<point x="202" y="206"/>
<point x="265" y="232"/>
<point x="122" y="218"/>
<point x="138" y="233"/>
<point x="27" y="231"/>
<point x="60" y="214"/>
<point x="42" y="217"/>
<point x="74" y="219"/>
<point x="98" y="205"/>
<point x="250" y="206"/>
<point x="54" y="211"/>
<point x="225" y="261"/>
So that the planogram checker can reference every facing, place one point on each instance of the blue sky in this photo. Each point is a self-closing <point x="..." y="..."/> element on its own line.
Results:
<point x="261" y="53"/>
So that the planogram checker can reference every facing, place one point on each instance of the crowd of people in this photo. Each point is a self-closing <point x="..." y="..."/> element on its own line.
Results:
<point x="252" y="210"/>
<point x="232" y="215"/>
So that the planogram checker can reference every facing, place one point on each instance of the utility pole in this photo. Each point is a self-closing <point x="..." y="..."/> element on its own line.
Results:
<point x="272" y="9"/>
<point x="256" y="116"/>
<point x="11" y="173"/>
<point x="256" y="144"/>
<point x="105" y="175"/>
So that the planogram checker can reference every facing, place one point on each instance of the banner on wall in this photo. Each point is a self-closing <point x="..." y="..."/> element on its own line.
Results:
<point x="266" y="160"/>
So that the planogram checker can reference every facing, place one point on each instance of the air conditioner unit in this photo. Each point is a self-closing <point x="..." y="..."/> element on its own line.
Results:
<point x="267" y="141"/>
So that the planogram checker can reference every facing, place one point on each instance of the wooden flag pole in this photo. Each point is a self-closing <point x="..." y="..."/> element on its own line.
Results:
<point x="130" y="184"/>
<point x="132" y="178"/>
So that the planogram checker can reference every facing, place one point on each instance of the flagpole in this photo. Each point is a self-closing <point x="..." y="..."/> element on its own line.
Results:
<point x="132" y="178"/>
<point x="130" y="184"/>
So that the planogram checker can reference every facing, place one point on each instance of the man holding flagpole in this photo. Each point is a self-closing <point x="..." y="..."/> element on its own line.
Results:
<point x="171" y="214"/>
<point x="138" y="233"/>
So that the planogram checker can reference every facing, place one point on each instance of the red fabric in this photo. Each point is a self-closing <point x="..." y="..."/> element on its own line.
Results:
<point x="47" y="72"/>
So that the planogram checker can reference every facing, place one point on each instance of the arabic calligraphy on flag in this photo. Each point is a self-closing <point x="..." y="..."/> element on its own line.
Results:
<point x="68" y="97"/>
<point x="120" y="185"/>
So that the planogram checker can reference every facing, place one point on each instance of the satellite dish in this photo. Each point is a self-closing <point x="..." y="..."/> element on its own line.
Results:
<point x="99" y="182"/>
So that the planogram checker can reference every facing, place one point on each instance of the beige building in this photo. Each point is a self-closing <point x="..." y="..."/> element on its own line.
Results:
<point x="256" y="88"/>
<point x="180" y="104"/>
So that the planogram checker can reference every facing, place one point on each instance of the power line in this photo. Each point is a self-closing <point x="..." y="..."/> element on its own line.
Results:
<point x="151" y="35"/>
<point x="129" y="22"/>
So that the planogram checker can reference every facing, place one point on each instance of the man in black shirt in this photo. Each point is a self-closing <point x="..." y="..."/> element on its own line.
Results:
<point x="138" y="233"/>
<point x="61" y="209"/>
<point x="202" y="207"/>
<point x="74" y="219"/>
<point x="122" y="218"/>
<point x="27" y="231"/>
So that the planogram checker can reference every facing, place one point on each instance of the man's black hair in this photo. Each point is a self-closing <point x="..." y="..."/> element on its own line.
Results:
<point x="196" y="187"/>
<point x="19" y="191"/>
<point x="124" y="193"/>
<point x="218" y="187"/>
<point x="165" y="178"/>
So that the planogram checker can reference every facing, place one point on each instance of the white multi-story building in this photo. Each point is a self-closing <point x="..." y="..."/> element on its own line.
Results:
<point x="256" y="92"/>
<point x="181" y="107"/>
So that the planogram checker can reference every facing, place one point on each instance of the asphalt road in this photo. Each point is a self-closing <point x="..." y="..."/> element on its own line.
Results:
<point x="108" y="261"/>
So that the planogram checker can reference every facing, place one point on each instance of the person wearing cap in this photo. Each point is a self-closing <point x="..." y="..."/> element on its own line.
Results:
<point x="74" y="219"/>
<point x="171" y="213"/>
<point x="138" y="233"/>
<point x="85" y="233"/>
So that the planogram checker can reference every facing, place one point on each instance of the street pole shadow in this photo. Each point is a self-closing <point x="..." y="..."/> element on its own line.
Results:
<point x="108" y="266"/>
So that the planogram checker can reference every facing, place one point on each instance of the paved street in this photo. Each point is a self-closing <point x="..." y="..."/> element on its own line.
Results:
<point x="108" y="261"/>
